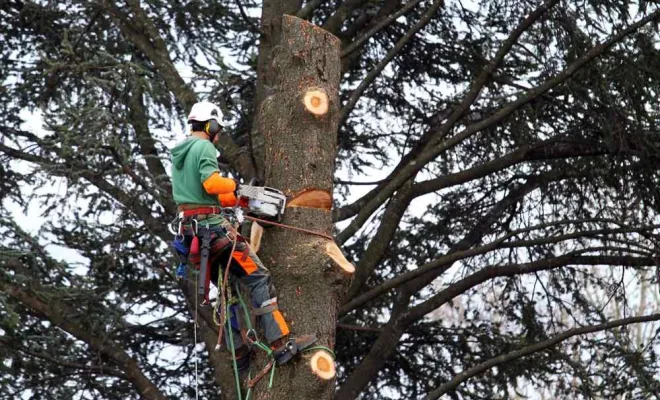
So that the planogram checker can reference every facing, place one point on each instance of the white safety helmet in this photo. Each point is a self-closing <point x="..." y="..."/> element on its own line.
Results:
<point x="205" y="111"/>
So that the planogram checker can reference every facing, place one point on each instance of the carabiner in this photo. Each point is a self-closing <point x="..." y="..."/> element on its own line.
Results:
<point x="170" y="227"/>
<point x="251" y="336"/>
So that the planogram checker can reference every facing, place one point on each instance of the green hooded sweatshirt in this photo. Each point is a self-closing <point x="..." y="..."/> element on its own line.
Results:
<point x="193" y="161"/>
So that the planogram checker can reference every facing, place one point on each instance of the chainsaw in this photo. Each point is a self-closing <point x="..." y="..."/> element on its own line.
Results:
<point x="263" y="201"/>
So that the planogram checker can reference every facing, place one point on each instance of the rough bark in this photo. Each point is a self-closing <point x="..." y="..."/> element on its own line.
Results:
<point x="271" y="29"/>
<point x="299" y="150"/>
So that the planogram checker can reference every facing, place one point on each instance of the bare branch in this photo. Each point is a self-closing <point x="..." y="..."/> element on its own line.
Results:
<point x="335" y="21"/>
<point x="535" y="348"/>
<point x="356" y="44"/>
<point x="358" y="328"/>
<point x="253" y="27"/>
<point x="365" y="206"/>
<point x="381" y="240"/>
<point x="496" y="271"/>
<point x="442" y="263"/>
<point x="400" y="44"/>
<point x="308" y="9"/>
<point x="58" y="312"/>
<point x="97" y="369"/>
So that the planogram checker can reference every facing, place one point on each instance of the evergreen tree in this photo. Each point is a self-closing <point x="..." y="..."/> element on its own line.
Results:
<point x="507" y="248"/>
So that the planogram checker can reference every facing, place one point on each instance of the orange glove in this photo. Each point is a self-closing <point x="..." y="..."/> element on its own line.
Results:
<point x="227" y="199"/>
<point x="216" y="184"/>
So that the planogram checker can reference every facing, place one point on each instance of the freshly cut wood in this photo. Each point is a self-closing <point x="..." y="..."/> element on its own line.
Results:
<point x="323" y="365"/>
<point x="256" y="232"/>
<point x="312" y="198"/>
<point x="316" y="101"/>
<point x="332" y="250"/>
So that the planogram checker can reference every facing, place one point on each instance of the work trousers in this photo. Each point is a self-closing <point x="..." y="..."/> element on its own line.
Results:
<point x="246" y="266"/>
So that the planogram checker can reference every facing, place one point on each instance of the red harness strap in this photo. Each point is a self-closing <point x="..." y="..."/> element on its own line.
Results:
<point x="201" y="210"/>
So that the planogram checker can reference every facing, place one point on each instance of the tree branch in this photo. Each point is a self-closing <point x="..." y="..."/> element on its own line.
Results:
<point x="140" y="122"/>
<point x="535" y="348"/>
<point x="365" y="206"/>
<point x="442" y="263"/>
<point x="492" y="272"/>
<point x="58" y="313"/>
<point x="371" y="76"/>
<point x="335" y="21"/>
<point x="153" y="46"/>
<point x="306" y="11"/>
<point x="97" y="369"/>
<point x="460" y="249"/>
<point x="381" y="240"/>
<point x="385" y="344"/>
<point x="359" y="42"/>
<point x="254" y="28"/>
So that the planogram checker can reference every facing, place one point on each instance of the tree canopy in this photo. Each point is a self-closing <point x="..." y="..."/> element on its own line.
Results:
<point x="507" y="246"/>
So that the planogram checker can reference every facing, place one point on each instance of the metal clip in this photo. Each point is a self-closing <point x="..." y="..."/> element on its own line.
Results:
<point x="170" y="226"/>
<point x="194" y="225"/>
<point x="251" y="336"/>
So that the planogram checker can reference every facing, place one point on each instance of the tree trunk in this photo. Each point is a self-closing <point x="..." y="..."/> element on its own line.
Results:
<point x="271" y="33"/>
<point x="299" y="151"/>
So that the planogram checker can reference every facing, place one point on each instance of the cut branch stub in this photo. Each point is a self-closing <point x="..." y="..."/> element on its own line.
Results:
<point x="256" y="232"/>
<point x="334" y="252"/>
<point x="312" y="198"/>
<point x="322" y="365"/>
<point x="316" y="101"/>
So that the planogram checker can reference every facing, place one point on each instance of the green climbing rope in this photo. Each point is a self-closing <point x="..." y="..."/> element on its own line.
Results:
<point x="257" y="343"/>
<point x="230" y="341"/>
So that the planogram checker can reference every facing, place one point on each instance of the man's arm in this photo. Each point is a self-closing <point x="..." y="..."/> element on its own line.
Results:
<point x="213" y="183"/>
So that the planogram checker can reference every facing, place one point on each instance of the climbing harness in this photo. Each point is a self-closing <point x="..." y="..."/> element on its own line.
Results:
<point x="225" y="299"/>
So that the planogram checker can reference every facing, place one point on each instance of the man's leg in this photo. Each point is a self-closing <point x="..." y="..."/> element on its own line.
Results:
<point x="256" y="277"/>
<point x="247" y="265"/>
<point x="220" y="254"/>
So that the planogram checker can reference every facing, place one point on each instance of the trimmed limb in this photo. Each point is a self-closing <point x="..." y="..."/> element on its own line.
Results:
<point x="312" y="198"/>
<point x="322" y="365"/>
<point x="256" y="233"/>
<point x="316" y="101"/>
<point x="535" y="348"/>
<point x="334" y="252"/>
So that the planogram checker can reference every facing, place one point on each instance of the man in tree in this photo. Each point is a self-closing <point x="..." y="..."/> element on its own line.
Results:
<point x="206" y="203"/>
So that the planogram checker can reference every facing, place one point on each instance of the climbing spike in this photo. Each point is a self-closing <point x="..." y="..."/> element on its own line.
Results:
<point x="322" y="365"/>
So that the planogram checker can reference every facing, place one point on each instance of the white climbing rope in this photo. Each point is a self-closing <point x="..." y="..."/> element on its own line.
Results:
<point x="195" y="350"/>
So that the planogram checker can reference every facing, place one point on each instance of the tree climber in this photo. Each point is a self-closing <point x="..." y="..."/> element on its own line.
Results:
<point x="207" y="205"/>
